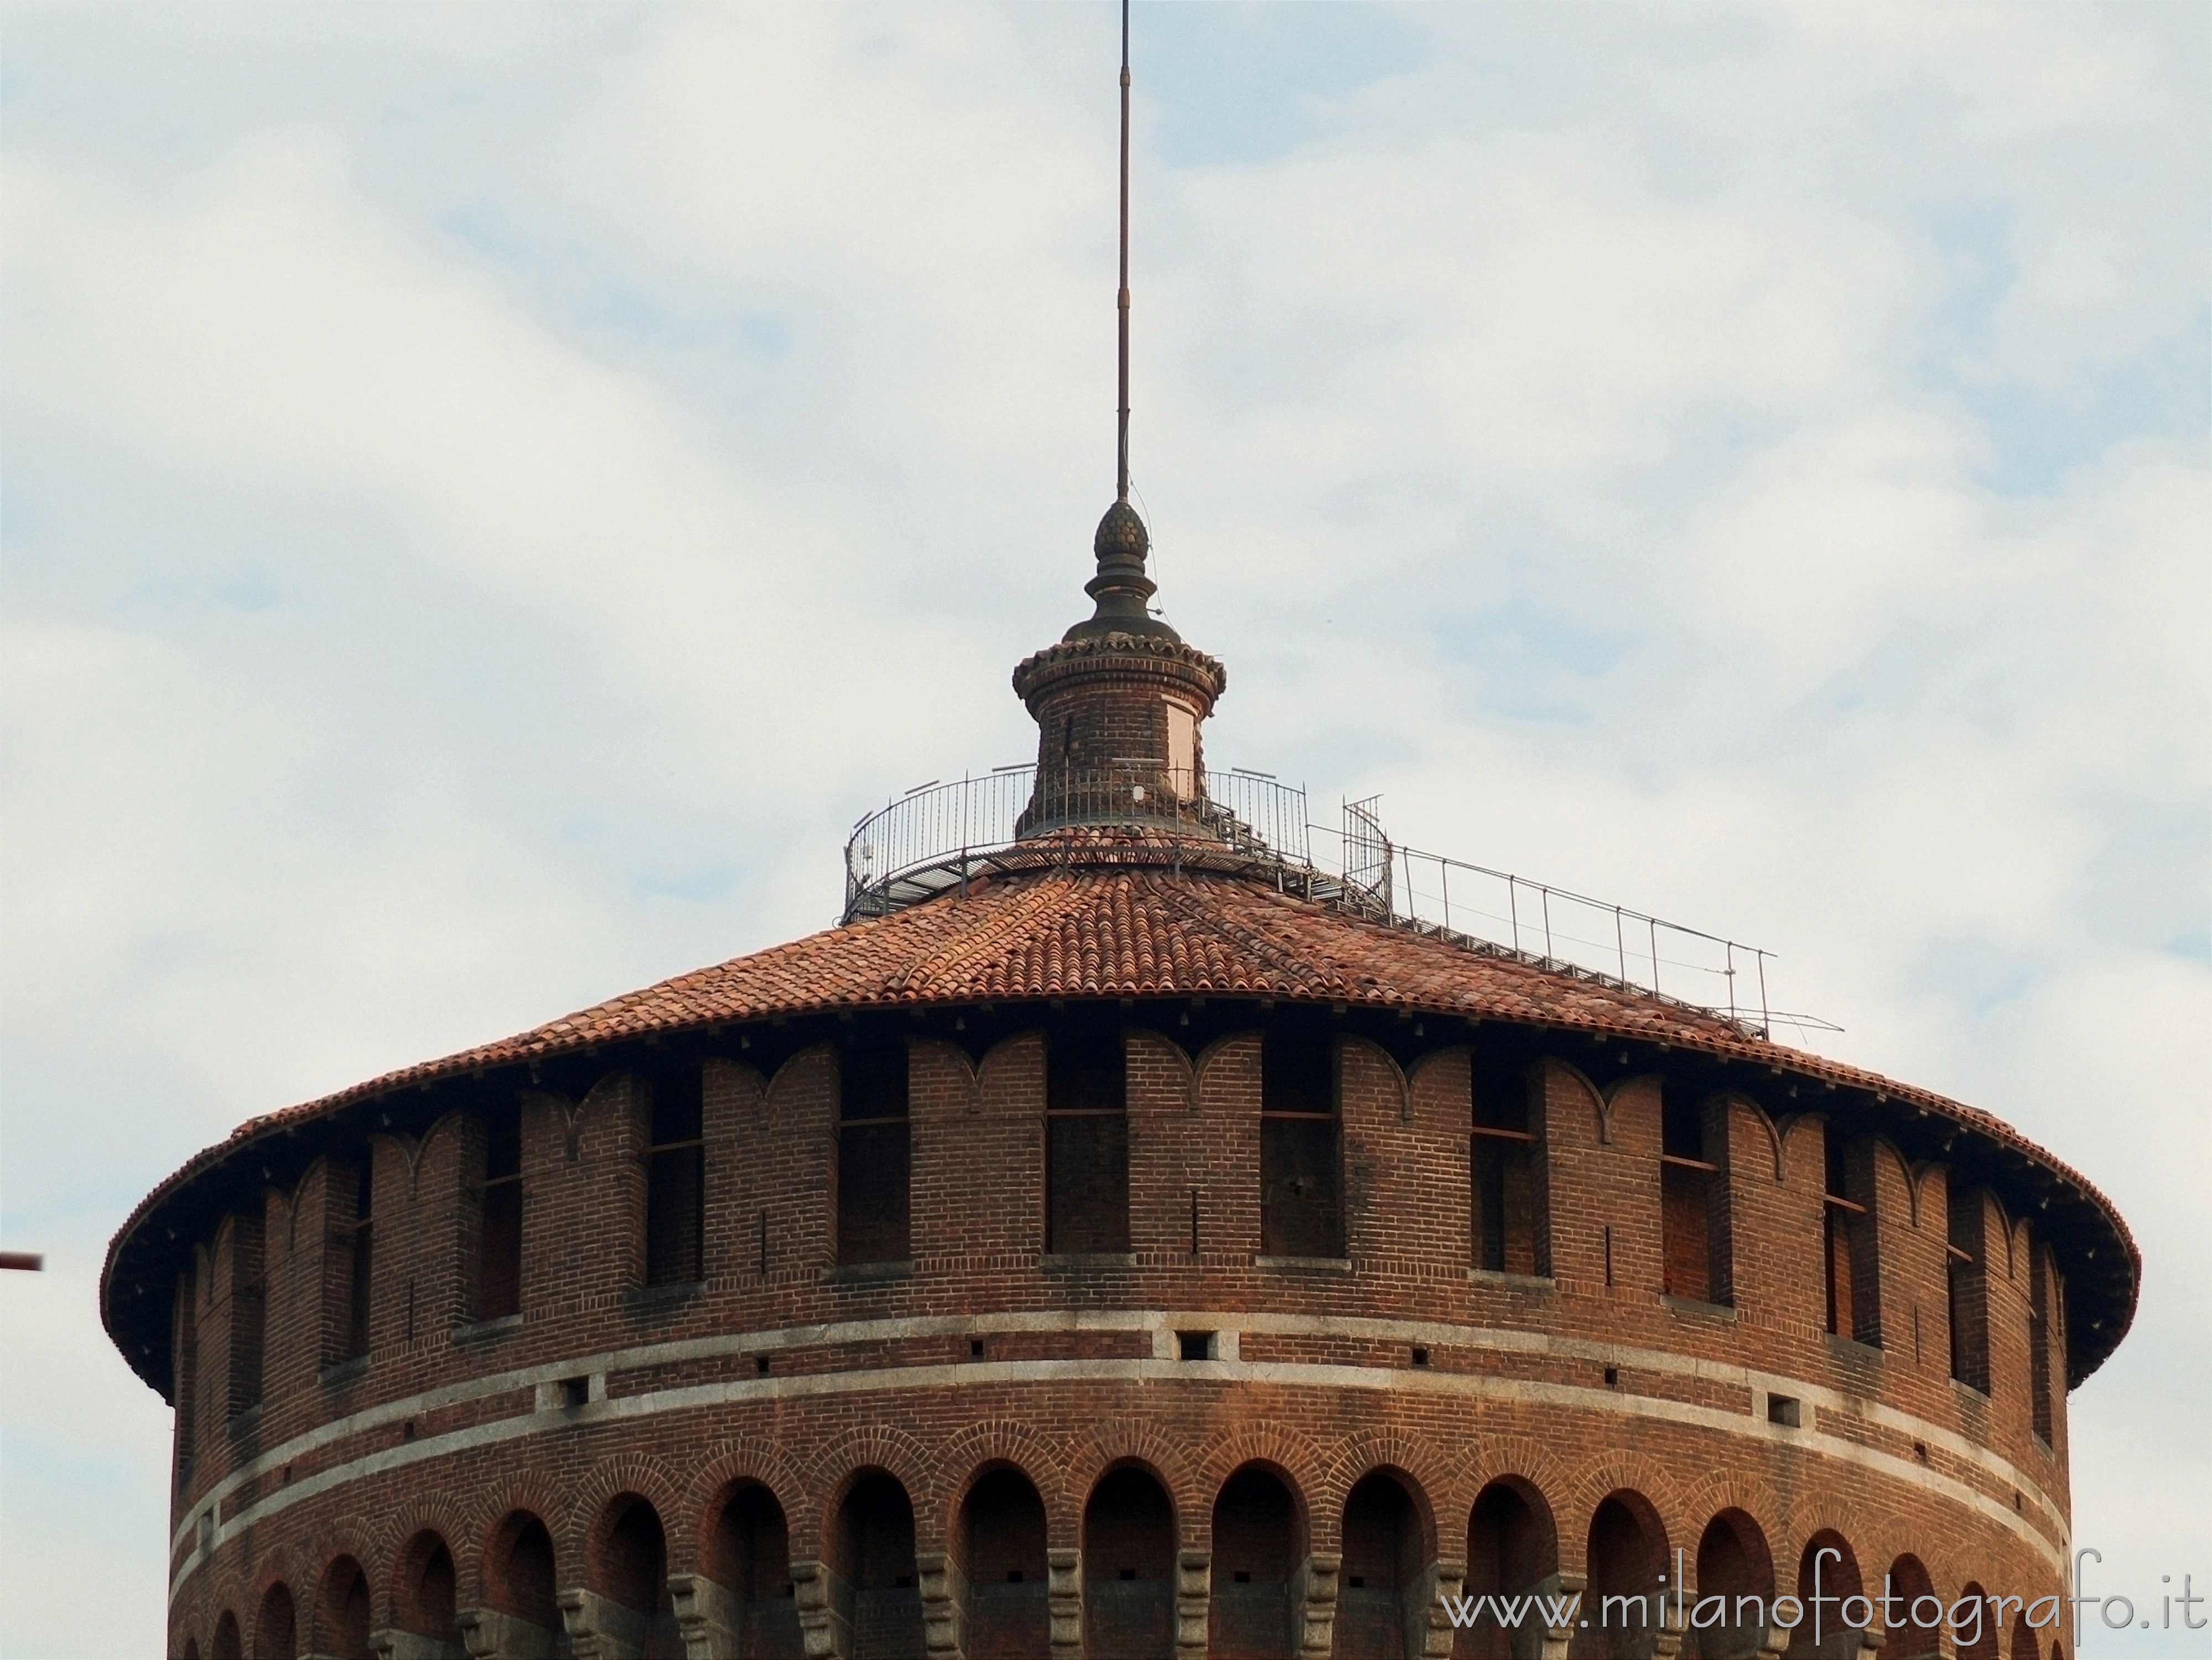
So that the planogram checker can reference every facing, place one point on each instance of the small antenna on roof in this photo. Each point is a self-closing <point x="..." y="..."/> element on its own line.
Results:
<point x="1121" y="449"/>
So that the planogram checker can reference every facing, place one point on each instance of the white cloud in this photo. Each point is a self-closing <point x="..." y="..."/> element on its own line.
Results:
<point x="494" y="492"/>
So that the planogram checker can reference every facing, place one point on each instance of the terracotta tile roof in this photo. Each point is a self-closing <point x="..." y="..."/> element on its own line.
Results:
<point x="1137" y="919"/>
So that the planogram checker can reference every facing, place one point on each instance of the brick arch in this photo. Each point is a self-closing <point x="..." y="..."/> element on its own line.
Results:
<point x="1287" y="1451"/>
<point x="793" y="1065"/>
<point x="838" y="1465"/>
<point x="998" y="1057"/>
<point x="1574" y="1506"/>
<point x="1001" y="1443"/>
<point x="1933" y="1171"/>
<point x="1904" y="1165"/>
<point x="1118" y="1441"/>
<point x="1531" y="1465"/>
<point x="534" y="1493"/>
<point x="1788" y="1128"/>
<point x="1179" y="1058"/>
<point x="1204" y="1065"/>
<point x="1413" y="1460"/>
<point x="1691" y="1508"/>
<point x="1759" y="1115"/>
<point x="593" y="1513"/>
<point x="271" y="1586"/>
<point x="345" y="1536"/>
<point x="721" y="1469"/>
<point x="1872" y="1544"/>
<point x="1609" y="1097"/>
<point x="1396" y="1073"/>
<point x="412" y="1525"/>
<point x="970" y="1073"/>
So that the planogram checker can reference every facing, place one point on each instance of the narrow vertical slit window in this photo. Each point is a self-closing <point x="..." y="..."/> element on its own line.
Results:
<point x="1689" y="1182"/>
<point x="875" y="1154"/>
<point x="2039" y="1339"/>
<point x="1301" y="1210"/>
<point x="1086" y="1157"/>
<point x="188" y="1374"/>
<point x="358" y="1254"/>
<point x="1503" y="1162"/>
<point x="499" y="1255"/>
<point x="676" y="1185"/>
<point x="1852" y="1240"/>
<point x="1966" y="1285"/>
<point x="249" y="1309"/>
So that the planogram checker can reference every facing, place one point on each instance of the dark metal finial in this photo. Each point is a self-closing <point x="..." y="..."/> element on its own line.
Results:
<point x="1121" y="449"/>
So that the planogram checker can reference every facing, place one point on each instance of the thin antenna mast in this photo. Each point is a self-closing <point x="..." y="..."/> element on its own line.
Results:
<point x="1121" y="448"/>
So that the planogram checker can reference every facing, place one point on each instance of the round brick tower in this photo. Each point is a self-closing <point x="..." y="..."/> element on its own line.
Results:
<point x="1122" y="1243"/>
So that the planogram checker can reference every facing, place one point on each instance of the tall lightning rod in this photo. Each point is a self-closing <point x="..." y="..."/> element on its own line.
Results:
<point x="1121" y="448"/>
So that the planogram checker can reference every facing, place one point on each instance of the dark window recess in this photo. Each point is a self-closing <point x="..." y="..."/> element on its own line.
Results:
<point x="874" y="1154"/>
<point x="1195" y="1345"/>
<point x="676" y="1185"/>
<point x="1503" y="1165"/>
<point x="355" y="1245"/>
<point x="187" y="1373"/>
<point x="249" y="1307"/>
<point x="499" y="1247"/>
<point x="1969" y="1292"/>
<point x="1087" y="1140"/>
<point x="1848" y="1249"/>
<point x="1688" y="1185"/>
<point x="2039" y="1325"/>
<point x="1300" y="1211"/>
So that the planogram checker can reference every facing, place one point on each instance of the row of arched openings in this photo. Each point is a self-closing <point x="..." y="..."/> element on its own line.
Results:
<point x="999" y="1585"/>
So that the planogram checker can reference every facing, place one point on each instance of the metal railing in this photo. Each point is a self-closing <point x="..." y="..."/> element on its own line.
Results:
<point x="936" y="835"/>
<point x="1503" y="914"/>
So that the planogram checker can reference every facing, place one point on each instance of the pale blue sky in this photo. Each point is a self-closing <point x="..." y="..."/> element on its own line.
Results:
<point x="491" y="494"/>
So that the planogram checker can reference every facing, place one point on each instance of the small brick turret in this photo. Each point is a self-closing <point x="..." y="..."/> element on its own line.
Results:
<point x="1119" y="703"/>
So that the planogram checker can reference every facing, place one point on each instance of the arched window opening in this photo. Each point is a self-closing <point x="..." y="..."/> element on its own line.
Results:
<point x="342" y="1620"/>
<point x="636" y="1577"/>
<point x="1301" y="1212"/>
<point x="191" y="1648"/>
<point x="499" y="1242"/>
<point x="1974" y="1631"/>
<point x="1968" y="1287"/>
<point x="1850" y="1240"/>
<point x="1380" y="1612"/>
<point x="1001" y="1537"/>
<point x="426" y="1589"/>
<point x="1128" y="1569"/>
<point x="749" y="1554"/>
<point x="1511" y="1550"/>
<point x="2038" y="1340"/>
<point x="874" y="1153"/>
<point x="274" y="1636"/>
<point x="1503" y="1159"/>
<point x="346" y="1276"/>
<point x="1256" y="1554"/>
<point x="2024" y="1643"/>
<point x="1917" y="1632"/>
<point x="676" y="1183"/>
<point x="1735" y="1590"/>
<point x="1691" y="1187"/>
<point x="1086" y="1156"/>
<point x="521" y="1582"/>
<point x="1628" y="1592"/>
<point x="1827" y="1578"/>
<point x="249" y="1311"/>
<point x="873" y="1575"/>
<point x="228" y="1646"/>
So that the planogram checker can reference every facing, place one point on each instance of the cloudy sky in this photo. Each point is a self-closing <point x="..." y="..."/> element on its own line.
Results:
<point x="491" y="495"/>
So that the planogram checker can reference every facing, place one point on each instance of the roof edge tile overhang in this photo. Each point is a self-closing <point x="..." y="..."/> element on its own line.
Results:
<point x="1264" y="944"/>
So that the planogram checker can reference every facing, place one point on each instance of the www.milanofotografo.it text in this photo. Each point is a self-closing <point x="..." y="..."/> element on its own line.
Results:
<point x="1674" y="1607"/>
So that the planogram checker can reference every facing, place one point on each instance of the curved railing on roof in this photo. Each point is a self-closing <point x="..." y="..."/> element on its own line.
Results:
<point x="939" y="834"/>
